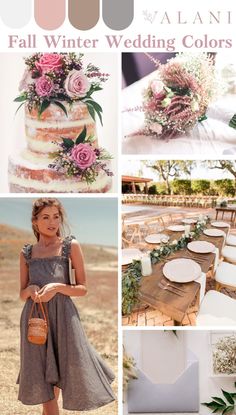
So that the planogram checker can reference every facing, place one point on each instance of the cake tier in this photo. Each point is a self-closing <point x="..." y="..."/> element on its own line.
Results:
<point x="25" y="176"/>
<point x="54" y="124"/>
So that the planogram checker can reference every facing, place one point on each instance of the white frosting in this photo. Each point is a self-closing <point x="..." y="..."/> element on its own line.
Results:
<point x="32" y="161"/>
<point x="34" y="124"/>
<point x="28" y="160"/>
<point x="61" y="186"/>
<point x="41" y="146"/>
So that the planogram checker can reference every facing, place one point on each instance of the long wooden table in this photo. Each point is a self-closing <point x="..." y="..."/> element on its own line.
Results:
<point x="226" y="209"/>
<point x="168" y="302"/>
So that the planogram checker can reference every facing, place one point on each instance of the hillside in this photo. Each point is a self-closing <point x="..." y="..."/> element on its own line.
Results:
<point x="12" y="239"/>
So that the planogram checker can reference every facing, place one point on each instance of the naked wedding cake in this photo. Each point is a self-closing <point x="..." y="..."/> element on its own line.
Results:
<point x="62" y="153"/>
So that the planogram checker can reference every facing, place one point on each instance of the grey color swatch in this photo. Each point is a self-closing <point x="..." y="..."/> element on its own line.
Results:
<point x="144" y="396"/>
<point x="16" y="13"/>
<point x="118" y="15"/>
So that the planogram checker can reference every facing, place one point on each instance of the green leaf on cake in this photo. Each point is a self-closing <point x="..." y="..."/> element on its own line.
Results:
<point x="81" y="137"/>
<point x="232" y="124"/>
<point x="21" y="98"/>
<point x="96" y="107"/>
<point x="19" y="107"/>
<point x="91" y="111"/>
<point x="68" y="143"/>
<point x="60" y="105"/>
<point x="45" y="104"/>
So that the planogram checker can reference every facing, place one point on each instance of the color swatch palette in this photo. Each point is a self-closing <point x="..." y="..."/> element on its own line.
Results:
<point x="82" y="14"/>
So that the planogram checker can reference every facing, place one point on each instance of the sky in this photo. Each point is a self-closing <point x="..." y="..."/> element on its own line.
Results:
<point x="132" y="168"/>
<point x="91" y="220"/>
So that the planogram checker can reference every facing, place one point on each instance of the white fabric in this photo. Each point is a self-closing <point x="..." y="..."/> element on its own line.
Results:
<point x="217" y="309"/>
<point x="229" y="253"/>
<point x="217" y="259"/>
<point x="202" y="281"/>
<point x="213" y="136"/>
<point x="226" y="274"/>
<point x="231" y="240"/>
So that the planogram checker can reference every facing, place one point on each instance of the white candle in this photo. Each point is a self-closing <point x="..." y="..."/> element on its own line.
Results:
<point x="146" y="265"/>
<point x="187" y="230"/>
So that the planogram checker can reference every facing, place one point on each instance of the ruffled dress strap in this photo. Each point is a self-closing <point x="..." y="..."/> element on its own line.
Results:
<point x="27" y="252"/>
<point x="66" y="245"/>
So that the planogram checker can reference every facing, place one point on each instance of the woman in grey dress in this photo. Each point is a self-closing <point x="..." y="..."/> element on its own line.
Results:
<point x="67" y="361"/>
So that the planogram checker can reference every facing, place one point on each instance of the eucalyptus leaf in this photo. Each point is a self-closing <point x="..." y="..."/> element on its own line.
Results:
<point x="21" y="98"/>
<point x="91" y="111"/>
<point x="23" y="103"/>
<point x="81" y="137"/>
<point x="60" y="105"/>
<point x="68" y="143"/>
<point x="96" y="106"/>
<point x="228" y="396"/>
<point x="45" y="104"/>
<point x="228" y="409"/>
<point x="219" y="400"/>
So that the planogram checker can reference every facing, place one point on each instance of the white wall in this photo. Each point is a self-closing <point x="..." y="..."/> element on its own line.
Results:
<point x="165" y="356"/>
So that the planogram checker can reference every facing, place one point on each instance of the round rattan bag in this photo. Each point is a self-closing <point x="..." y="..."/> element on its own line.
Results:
<point x="37" y="327"/>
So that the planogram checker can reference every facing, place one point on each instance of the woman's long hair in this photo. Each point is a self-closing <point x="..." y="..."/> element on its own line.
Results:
<point x="39" y="205"/>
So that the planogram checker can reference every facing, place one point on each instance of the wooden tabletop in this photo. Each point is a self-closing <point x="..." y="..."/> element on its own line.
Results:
<point x="169" y="301"/>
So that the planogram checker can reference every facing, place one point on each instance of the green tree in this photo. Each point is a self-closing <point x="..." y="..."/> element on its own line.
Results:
<point x="181" y="186"/>
<point x="169" y="169"/>
<point x="225" y="187"/>
<point x="224" y="165"/>
<point x="201" y="186"/>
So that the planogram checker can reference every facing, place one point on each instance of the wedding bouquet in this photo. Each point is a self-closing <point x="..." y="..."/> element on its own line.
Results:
<point x="178" y="97"/>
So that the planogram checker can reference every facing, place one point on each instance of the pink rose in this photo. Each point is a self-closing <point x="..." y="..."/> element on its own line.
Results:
<point x="26" y="80"/>
<point x="49" y="62"/>
<point x="44" y="86"/>
<point x="76" y="84"/>
<point x="84" y="155"/>
<point x="157" y="88"/>
<point x="156" y="128"/>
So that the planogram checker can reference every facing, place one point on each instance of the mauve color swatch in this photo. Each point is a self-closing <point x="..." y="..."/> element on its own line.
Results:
<point x="49" y="14"/>
<point x="16" y="13"/>
<point x="118" y="14"/>
<point x="83" y="14"/>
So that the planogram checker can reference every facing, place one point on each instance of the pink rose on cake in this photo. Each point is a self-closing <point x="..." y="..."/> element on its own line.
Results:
<point x="49" y="62"/>
<point x="84" y="155"/>
<point x="76" y="84"/>
<point x="44" y="86"/>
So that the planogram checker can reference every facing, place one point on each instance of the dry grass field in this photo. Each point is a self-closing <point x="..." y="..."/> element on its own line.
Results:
<point x="98" y="312"/>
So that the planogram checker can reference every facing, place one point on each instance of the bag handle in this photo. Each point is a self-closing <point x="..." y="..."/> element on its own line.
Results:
<point x="42" y="310"/>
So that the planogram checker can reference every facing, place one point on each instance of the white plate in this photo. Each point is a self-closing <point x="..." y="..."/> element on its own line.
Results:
<point x="128" y="255"/>
<point x="182" y="270"/>
<point x="213" y="232"/>
<point x="201" y="247"/>
<point x="157" y="238"/>
<point x="176" y="228"/>
<point x="189" y="221"/>
<point x="220" y="224"/>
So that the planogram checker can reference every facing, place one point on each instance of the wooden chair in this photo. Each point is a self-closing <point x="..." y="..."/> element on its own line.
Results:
<point x="154" y="225"/>
<point x="131" y="235"/>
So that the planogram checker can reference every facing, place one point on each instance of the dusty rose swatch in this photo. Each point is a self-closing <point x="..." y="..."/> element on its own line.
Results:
<point x="49" y="14"/>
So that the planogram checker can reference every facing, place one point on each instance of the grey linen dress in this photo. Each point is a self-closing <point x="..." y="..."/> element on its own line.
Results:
<point x="67" y="360"/>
